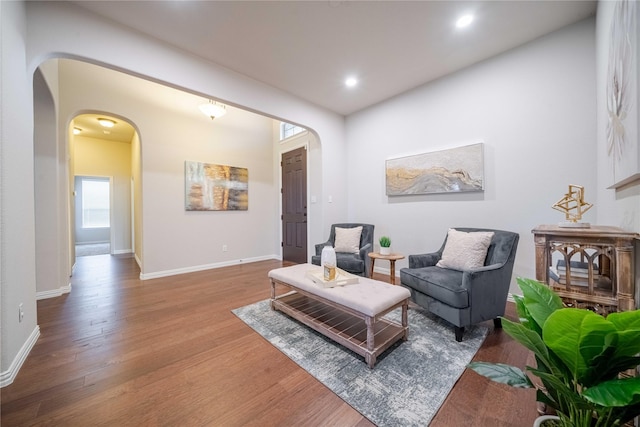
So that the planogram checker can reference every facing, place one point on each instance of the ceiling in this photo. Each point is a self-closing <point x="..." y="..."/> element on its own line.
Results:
<point x="89" y="126"/>
<point x="308" y="48"/>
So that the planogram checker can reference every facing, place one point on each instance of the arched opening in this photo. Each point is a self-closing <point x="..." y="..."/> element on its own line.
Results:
<point x="101" y="150"/>
<point x="176" y="131"/>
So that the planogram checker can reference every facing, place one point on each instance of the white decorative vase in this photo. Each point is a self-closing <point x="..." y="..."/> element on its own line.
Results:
<point x="540" y="421"/>
<point x="385" y="251"/>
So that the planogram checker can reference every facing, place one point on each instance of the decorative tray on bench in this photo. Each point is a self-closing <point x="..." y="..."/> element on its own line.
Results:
<point x="342" y="278"/>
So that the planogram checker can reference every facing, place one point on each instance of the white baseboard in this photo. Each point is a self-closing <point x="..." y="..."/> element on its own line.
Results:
<point x="122" y="251"/>
<point x="135" y="256"/>
<point x="97" y="242"/>
<point x="165" y="273"/>
<point x="7" y="377"/>
<point x="53" y="293"/>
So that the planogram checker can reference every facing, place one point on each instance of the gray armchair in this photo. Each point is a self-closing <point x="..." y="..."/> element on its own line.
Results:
<point x="464" y="298"/>
<point x="353" y="263"/>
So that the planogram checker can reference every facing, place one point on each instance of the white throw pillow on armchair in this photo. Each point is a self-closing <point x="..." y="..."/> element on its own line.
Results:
<point x="348" y="240"/>
<point x="464" y="251"/>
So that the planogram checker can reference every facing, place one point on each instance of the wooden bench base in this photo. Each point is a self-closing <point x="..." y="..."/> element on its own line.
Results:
<point x="365" y="335"/>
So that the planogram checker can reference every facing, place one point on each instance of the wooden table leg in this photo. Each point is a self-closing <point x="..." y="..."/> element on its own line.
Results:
<point x="373" y="261"/>
<point x="392" y="262"/>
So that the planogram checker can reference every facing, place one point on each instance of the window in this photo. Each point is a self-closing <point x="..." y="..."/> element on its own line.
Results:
<point x="288" y="130"/>
<point x="95" y="203"/>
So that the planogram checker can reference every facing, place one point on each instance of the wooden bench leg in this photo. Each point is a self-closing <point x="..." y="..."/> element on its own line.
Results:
<point x="370" y="358"/>
<point x="405" y="320"/>
<point x="273" y="294"/>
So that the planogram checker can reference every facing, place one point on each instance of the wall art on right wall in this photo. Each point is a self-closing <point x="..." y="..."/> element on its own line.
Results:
<point x="454" y="170"/>
<point x="622" y="95"/>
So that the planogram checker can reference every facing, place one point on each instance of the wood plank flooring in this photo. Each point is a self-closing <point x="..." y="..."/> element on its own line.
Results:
<point x="169" y="352"/>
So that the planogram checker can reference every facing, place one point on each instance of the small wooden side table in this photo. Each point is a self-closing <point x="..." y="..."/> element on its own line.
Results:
<point x="392" y="258"/>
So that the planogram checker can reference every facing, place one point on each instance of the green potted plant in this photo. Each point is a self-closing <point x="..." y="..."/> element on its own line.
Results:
<point x="579" y="357"/>
<point x="385" y="245"/>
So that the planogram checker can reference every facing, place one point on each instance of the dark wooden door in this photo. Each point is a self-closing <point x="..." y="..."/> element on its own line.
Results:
<point x="294" y="206"/>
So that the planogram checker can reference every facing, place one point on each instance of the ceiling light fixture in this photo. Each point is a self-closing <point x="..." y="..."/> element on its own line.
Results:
<point x="213" y="109"/>
<point x="108" y="123"/>
<point x="351" y="82"/>
<point x="76" y="131"/>
<point x="464" y="21"/>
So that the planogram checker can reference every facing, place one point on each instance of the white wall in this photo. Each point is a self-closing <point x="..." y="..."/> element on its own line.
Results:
<point x="175" y="240"/>
<point x="66" y="30"/>
<point x="533" y="107"/>
<point x="51" y="273"/>
<point x="17" y="219"/>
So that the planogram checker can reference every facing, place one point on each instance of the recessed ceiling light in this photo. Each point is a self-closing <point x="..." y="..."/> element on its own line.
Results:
<point x="351" y="82"/>
<point x="108" y="123"/>
<point x="76" y="131"/>
<point x="464" y="21"/>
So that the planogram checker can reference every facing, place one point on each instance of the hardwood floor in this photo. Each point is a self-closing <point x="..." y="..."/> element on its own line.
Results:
<point x="168" y="351"/>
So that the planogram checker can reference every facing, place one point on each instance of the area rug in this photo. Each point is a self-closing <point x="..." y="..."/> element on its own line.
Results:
<point x="409" y="381"/>
<point x="93" y="249"/>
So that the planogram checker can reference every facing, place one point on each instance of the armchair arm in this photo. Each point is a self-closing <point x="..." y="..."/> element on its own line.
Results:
<point x="424" y="260"/>
<point x="365" y="250"/>
<point x="320" y="246"/>
<point x="488" y="289"/>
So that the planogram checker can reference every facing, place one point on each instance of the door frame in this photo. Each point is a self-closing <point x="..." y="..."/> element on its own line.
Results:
<point x="302" y="144"/>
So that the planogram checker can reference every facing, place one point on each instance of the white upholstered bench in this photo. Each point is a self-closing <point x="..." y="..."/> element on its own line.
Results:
<point x="351" y="315"/>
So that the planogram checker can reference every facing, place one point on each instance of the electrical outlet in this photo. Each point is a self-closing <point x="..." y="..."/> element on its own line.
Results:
<point x="20" y="312"/>
<point x="224" y="248"/>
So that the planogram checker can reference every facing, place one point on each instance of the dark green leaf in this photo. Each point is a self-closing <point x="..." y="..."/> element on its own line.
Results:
<point x="502" y="373"/>
<point x="576" y="336"/>
<point x="620" y="392"/>
<point x="523" y="314"/>
<point x="539" y="299"/>
<point x="625" y="320"/>
<point x="528" y="338"/>
<point x="562" y="393"/>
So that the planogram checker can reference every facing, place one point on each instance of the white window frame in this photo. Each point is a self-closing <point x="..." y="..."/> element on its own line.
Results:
<point x="288" y="130"/>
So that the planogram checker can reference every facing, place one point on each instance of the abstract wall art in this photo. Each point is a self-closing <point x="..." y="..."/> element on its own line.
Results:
<point x="453" y="170"/>
<point x="211" y="187"/>
<point x="622" y="95"/>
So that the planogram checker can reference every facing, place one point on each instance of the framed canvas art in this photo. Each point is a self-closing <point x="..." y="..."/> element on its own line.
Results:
<point x="453" y="170"/>
<point x="622" y="96"/>
<point x="211" y="187"/>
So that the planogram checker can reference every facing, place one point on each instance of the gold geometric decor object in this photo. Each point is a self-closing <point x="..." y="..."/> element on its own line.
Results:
<point x="573" y="206"/>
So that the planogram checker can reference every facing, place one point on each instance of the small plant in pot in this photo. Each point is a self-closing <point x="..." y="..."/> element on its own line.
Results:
<point x="580" y="356"/>
<point x="385" y="245"/>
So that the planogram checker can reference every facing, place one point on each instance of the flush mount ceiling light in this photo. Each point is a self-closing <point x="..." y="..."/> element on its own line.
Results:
<point x="76" y="131"/>
<point x="351" y="82"/>
<point x="464" y="21"/>
<point x="213" y="109"/>
<point x="108" y="123"/>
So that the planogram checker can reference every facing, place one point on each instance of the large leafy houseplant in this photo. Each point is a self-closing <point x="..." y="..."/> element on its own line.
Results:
<point x="579" y="356"/>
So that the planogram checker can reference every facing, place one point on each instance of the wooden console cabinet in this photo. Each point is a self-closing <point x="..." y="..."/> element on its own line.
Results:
<point x="588" y="267"/>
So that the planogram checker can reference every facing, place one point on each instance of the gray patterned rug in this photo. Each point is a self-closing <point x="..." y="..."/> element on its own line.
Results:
<point x="410" y="380"/>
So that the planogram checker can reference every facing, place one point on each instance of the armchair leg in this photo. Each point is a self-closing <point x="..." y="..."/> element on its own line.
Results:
<point x="459" y="331"/>
<point x="497" y="323"/>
